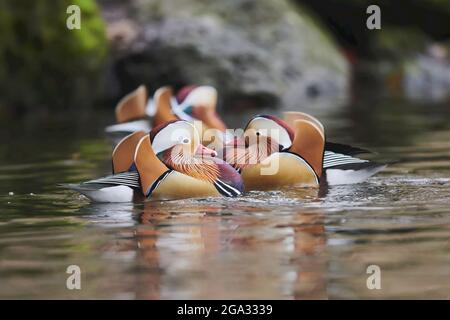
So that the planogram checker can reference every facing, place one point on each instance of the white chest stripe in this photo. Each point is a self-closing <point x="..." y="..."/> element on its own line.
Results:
<point x="229" y="190"/>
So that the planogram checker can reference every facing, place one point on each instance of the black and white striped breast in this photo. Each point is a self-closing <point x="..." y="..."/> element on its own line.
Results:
<point x="226" y="190"/>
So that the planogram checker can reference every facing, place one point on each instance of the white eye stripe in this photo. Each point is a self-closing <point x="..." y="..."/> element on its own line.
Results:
<point x="270" y="128"/>
<point x="180" y="132"/>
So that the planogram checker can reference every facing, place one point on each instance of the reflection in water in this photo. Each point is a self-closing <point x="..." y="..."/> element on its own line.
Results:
<point x="204" y="251"/>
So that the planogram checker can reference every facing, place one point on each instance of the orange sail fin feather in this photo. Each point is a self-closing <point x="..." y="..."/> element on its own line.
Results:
<point x="291" y="116"/>
<point x="150" y="168"/>
<point x="123" y="154"/>
<point x="309" y="143"/>
<point x="163" y="112"/>
<point x="132" y="106"/>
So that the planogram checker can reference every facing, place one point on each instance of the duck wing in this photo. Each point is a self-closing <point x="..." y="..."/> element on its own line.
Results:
<point x="344" y="149"/>
<point x="128" y="179"/>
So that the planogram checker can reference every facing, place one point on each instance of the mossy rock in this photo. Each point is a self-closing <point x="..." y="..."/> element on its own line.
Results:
<point x="267" y="53"/>
<point x="42" y="62"/>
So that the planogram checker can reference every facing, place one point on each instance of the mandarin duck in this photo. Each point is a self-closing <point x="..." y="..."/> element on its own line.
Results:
<point x="167" y="163"/>
<point x="138" y="112"/>
<point x="333" y="163"/>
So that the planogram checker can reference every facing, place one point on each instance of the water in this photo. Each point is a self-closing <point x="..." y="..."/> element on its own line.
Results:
<point x="283" y="244"/>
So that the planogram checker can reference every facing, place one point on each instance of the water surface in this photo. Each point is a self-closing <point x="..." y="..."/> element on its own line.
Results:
<point x="289" y="244"/>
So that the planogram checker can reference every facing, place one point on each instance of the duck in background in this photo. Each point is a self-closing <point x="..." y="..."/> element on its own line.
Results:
<point x="131" y="113"/>
<point x="136" y="111"/>
<point x="272" y="136"/>
<point x="167" y="163"/>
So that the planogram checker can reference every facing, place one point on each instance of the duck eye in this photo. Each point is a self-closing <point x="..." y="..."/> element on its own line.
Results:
<point x="185" y="141"/>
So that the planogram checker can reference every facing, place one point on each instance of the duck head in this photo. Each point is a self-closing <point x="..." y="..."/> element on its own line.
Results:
<point x="271" y="154"/>
<point x="177" y="145"/>
<point x="192" y="103"/>
<point x="199" y="102"/>
<point x="263" y="135"/>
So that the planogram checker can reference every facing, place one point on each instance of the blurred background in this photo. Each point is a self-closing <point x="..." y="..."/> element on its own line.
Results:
<point x="386" y="90"/>
<point x="259" y="54"/>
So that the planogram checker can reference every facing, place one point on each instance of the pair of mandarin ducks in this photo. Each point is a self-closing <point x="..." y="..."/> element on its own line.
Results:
<point x="175" y="147"/>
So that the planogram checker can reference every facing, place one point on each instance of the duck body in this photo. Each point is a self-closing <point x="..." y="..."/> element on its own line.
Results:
<point x="343" y="168"/>
<point x="279" y="170"/>
<point x="172" y="185"/>
<point x="117" y="132"/>
<point x="352" y="173"/>
<point x="175" y="185"/>
<point x="122" y="187"/>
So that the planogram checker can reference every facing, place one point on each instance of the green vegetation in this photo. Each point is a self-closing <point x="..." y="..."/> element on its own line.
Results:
<point x="44" y="64"/>
<point x="399" y="43"/>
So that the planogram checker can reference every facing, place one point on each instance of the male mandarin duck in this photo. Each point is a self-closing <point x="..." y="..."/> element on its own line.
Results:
<point x="265" y="164"/>
<point x="167" y="163"/>
<point x="271" y="135"/>
<point x="133" y="112"/>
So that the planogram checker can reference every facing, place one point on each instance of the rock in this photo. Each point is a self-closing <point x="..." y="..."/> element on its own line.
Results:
<point x="411" y="65"/>
<point x="427" y="76"/>
<point x="267" y="53"/>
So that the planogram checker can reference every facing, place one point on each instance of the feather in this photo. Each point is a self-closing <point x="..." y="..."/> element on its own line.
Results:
<point x="241" y="157"/>
<point x="129" y="179"/>
<point x="203" y="168"/>
<point x="344" y="149"/>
